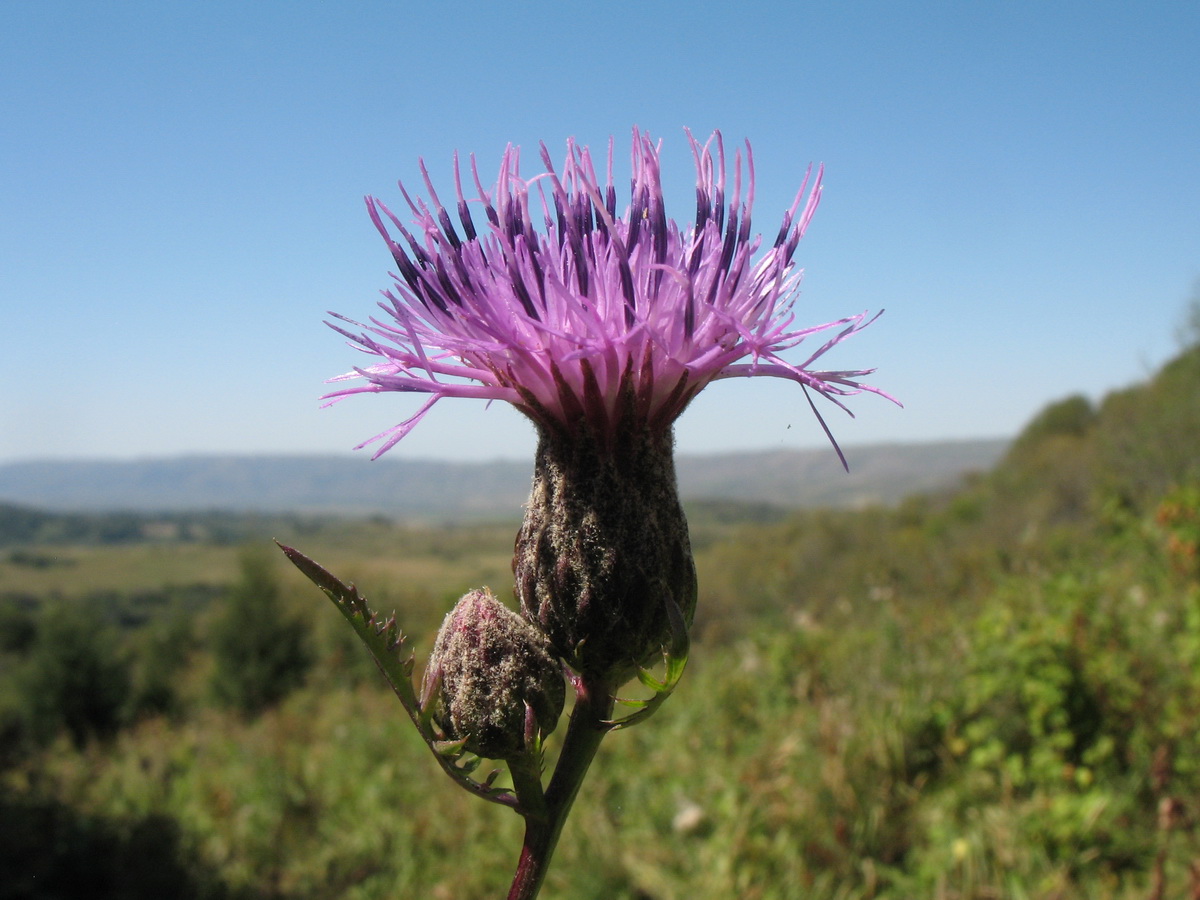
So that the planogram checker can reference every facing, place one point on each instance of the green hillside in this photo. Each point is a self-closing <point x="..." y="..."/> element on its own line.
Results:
<point x="990" y="692"/>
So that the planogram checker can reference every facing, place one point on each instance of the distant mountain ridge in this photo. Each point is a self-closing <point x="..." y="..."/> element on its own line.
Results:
<point x="442" y="490"/>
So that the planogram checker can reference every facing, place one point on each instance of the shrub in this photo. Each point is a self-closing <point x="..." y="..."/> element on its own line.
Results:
<point x="260" y="655"/>
<point x="74" y="677"/>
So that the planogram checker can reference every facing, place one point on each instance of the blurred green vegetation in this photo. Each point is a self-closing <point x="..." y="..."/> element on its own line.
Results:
<point x="989" y="693"/>
<point x="260" y="655"/>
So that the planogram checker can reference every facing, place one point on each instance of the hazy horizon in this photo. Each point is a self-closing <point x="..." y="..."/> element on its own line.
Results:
<point x="365" y="454"/>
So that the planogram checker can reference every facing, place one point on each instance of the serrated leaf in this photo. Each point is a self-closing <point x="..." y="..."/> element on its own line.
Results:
<point x="388" y="646"/>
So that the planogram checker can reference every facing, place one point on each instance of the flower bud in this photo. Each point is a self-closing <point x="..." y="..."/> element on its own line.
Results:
<point x="604" y="548"/>
<point x="493" y="678"/>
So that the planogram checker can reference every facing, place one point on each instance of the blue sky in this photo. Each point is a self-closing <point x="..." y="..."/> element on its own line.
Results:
<point x="181" y="184"/>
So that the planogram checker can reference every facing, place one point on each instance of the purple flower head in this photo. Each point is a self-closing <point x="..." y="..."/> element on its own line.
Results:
<point x="591" y="314"/>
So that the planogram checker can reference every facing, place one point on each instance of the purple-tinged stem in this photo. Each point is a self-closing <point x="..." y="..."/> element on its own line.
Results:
<point x="593" y="709"/>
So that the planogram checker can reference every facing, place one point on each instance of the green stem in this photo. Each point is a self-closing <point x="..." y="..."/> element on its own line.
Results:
<point x="593" y="707"/>
<point x="526" y="774"/>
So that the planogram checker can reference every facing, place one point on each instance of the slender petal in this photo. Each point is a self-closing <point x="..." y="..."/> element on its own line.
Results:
<point x="559" y="315"/>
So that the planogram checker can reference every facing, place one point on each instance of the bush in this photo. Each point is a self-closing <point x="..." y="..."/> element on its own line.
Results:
<point x="162" y="651"/>
<point x="260" y="655"/>
<point x="74" y="677"/>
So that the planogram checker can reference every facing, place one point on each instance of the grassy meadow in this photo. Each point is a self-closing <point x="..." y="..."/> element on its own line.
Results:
<point x="991" y="693"/>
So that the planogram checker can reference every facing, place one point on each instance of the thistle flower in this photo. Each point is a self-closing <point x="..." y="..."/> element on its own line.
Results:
<point x="601" y="329"/>
<point x="565" y="320"/>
